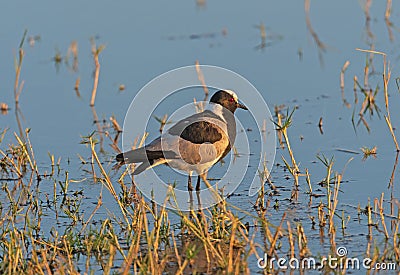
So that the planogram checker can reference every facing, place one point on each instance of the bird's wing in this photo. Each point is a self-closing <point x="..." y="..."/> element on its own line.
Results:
<point x="205" y="127"/>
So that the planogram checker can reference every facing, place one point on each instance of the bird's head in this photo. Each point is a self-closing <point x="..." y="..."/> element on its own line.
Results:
<point x="227" y="99"/>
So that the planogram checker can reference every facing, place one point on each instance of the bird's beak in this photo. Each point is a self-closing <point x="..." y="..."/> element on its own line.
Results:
<point x="241" y="105"/>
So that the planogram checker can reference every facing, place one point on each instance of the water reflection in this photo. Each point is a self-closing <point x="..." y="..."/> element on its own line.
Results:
<point x="321" y="46"/>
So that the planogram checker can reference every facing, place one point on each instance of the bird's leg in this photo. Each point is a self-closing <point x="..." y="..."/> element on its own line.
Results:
<point x="190" y="202"/>
<point x="190" y="187"/>
<point x="198" y="183"/>
<point x="198" y="194"/>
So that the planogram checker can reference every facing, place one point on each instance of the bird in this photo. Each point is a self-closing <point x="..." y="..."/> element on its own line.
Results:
<point x="193" y="144"/>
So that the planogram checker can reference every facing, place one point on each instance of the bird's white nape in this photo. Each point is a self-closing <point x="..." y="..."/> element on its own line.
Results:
<point x="232" y="93"/>
<point x="216" y="109"/>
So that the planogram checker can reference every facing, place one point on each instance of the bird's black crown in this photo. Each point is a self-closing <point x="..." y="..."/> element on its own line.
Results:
<point x="227" y="99"/>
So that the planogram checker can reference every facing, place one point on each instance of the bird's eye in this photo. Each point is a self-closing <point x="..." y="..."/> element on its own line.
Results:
<point x="231" y="99"/>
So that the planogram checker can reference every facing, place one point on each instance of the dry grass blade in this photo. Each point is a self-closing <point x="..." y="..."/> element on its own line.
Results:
<point x="95" y="51"/>
<point x="202" y="81"/>
<point x="386" y="77"/>
<point x="76" y="87"/>
<point x="283" y="127"/>
<point x="391" y="181"/>
<point x="276" y="236"/>
<point x="342" y="71"/>
<point x="381" y="213"/>
<point x="107" y="181"/>
<point x="18" y="65"/>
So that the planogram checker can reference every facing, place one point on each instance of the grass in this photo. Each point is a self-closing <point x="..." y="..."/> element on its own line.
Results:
<point x="95" y="52"/>
<point x="18" y="86"/>
<point x="146" y="238"/>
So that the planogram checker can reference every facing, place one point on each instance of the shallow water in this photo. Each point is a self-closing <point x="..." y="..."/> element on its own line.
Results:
<point x="144" y="40"/>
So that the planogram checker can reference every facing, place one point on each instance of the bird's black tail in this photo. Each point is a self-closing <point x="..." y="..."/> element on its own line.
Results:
<point x="142" y="155"/>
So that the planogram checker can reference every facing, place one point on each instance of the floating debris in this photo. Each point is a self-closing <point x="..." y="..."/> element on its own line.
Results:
<point x="4" y="108"/>
<point x="368" y="152"/>
<point x="207" y="35"/>
<point x="321" y="130"/>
